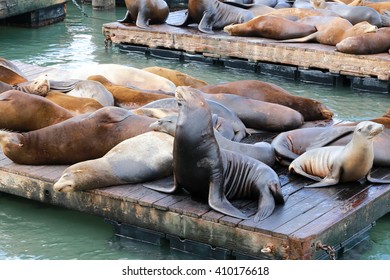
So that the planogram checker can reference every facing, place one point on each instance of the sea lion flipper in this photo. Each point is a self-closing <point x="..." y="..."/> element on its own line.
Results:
<point x="324" y="183"/>
<point x="142" y="22"/>
<point x="186" y="21"/>
<point x="307" y="38"/>
<point x="205" y="24"/>
<point x="376" y="180"/>
<point x="219" y="202"/>
<point x="266" y="206"/>
<point x="126" y="19"/>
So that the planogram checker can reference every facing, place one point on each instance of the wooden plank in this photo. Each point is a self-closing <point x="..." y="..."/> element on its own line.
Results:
<point x="220" y="45"/>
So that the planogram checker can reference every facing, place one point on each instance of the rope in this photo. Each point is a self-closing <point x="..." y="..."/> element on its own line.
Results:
<point x="86" y="15"/>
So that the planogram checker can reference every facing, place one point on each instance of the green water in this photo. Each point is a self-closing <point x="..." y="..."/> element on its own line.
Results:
<point x="31" y="230"/>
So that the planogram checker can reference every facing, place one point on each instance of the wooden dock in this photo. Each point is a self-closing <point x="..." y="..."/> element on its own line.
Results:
<point x="321" y="61"/>
<point x="328" y="218"/>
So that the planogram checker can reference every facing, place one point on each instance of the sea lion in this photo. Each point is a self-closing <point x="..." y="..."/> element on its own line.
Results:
<point x="385" y="120"/>
<point x="10" y="73"/>
<point x="129" y="98"/>
<point x="177" y="77"/>
<point x="213" y="14"/>
<point x="80" y="138"/>
<point x="121" y="75"/>
<point x="300" y="13"/>
<point x="334" y="31"/>
<point x="331" y="165"/>
<point x="354" y="14"/>
<point x="268" y="92"/>
<point x="145" y="12"/>
<point x="213" y="174"/>
<point x="5" y="87"/>
<point x="25" y="112"/>
<point x="74" y="104"/>
<point x="272" y="27"/>
<point x="261" y="151"/>
<point x="142" y="158"/>
<point x="216" y="108"/>
<point x="258" y="114"/>
<point x="39" y="86"/>
<point x="369" y="43"/>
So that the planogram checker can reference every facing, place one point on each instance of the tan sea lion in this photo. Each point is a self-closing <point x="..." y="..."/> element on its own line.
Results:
<point x="212" y="174"/>
<point x="272" y="27"/>
<point x="10" y="73"/>
<point x="334" y="31"/>
<point x="300" y="13"/>
<point x="145" y="12"/>
<point x="80" y="138"/>
<point x="177" y="77"/>
<point x="213" y="14"/>
<point x="74" y="104"/>
<point x="368" y="43"/>
<point x="268" y="92"/>
<point x="25" y="112"/>
<point x="334" y="164"/>
<point x="129" y="98"/>
<point x="142" y="158"/>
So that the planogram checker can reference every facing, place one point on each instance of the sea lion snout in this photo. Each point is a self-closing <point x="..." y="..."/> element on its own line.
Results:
<point x="370" y="129"/>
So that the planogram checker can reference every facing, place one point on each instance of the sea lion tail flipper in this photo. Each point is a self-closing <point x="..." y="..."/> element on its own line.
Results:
<point x="324" y="183"/>
<point x="205" y="24"/>
<point x="165" y="186"/>
<point x="376" y="180"/>
<point x="299" y="40"/>
<point x="186" y="21"/>
<point x="219" y="202"/>
<point x="63" y="86"/>
<point x="126" y="19"/>
<point x="330" y="135"/>
<point x="142" y="22"/>
<point x="266" y="205"/>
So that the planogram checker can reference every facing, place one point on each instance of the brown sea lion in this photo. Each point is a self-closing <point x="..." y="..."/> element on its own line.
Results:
<point x="74" y="104"/>
<point x="145" y="12"/>
<point x="299" y="13"/>
<point x="385" y="120"/>
<point x="25" y="112"/>
<point x="10" y="73"/>
<point x="258" y="114"/>
<point x="129" y="98"/>
<point x="270" y="26"/>
<point x="177" y="77"/>
<point x="142" y="158"/>
<point x="368" y="43"/>
<point x="309" y="108"/>
<point x="334" y="31"/>
<point x="354" y="14"/>
<point x="213" y="14"/>
<point x="80" y="138"/>
<point x="212" y="174"/>
<point x="334" y="164"/>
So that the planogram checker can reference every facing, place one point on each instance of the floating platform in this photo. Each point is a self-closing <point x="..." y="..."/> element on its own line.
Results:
<point x="313" y="224"/>
<point x="29" y="13"/>
<point x="308" y="62"/>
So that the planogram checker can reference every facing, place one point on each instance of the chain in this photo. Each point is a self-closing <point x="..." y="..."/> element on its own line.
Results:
<point x="328" y="249"/>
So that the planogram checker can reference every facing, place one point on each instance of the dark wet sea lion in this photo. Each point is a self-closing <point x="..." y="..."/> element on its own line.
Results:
<point x="309" y="108"/>
<point x="272" y="27"/>
<point x="80" y="138"/>
<point x="213" y="14"/>
<point x="145" y="12"/>
<point x="261" y="151"/>
<point x="139" y="159"/>
<point x="333" y="164"/>
<point x="129" y="98"/>
<point x="212" y="174"/>
<point x="25" y="112"/>
<point x="368" y="43"/>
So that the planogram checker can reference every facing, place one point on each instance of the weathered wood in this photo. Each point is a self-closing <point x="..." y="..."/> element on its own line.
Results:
<point x="222" y="46"/>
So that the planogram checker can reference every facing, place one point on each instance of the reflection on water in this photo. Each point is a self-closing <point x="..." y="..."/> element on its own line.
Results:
<point x="30" y="230"/>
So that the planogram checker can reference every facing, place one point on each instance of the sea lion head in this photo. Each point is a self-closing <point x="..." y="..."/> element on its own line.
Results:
<point x="369" y="129"/>
<point x="67" y="182"/>
<point x="364" y="27"/>
<point x="189" y="97"/>
<point x="39" y="86"/>
<point x="166" y="124"/>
